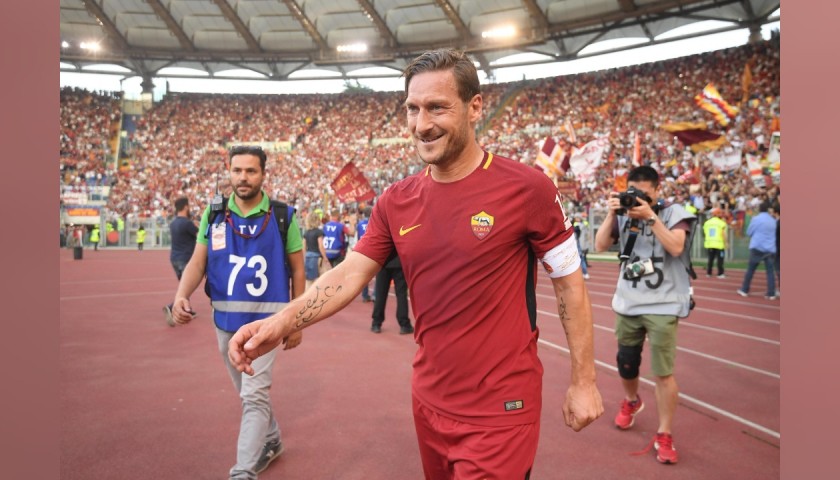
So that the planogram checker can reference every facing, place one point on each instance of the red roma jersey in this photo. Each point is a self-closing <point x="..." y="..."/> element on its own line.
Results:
<point x="464" y="249"/>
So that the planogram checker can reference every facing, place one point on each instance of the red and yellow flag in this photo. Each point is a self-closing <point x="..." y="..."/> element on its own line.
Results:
<point x="711" y="101"/>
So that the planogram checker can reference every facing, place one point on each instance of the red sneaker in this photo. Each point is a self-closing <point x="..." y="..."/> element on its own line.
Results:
<point x="664" y="445"/>
<point x="627" y="414"/>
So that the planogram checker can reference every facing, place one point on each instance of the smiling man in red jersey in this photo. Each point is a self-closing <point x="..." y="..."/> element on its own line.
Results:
<point x="469" y="230"/>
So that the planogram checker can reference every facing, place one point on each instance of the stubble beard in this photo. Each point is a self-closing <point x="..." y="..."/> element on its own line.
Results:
<point x="450" y="150"/>
<point x="252" y="193"/>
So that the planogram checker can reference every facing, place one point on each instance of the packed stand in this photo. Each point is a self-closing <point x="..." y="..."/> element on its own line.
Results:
<point x="179" y="145"/>
<point x="87" y="123"/>
<point x="621" y="102"/>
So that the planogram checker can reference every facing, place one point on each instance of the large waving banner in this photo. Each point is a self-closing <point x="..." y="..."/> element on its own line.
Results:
<point x="726" y="159"/>
<point x="585" y="160"/>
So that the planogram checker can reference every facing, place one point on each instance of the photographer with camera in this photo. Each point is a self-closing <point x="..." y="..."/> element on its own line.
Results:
<point x="653" y="291"/>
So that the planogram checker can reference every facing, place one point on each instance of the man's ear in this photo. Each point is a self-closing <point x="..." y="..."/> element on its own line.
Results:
<point x="476" y="106"/>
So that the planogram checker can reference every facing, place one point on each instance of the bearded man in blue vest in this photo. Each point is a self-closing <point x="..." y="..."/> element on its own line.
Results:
<point x="252" y="272"/>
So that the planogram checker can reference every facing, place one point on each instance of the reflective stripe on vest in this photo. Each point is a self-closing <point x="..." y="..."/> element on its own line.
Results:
<point x="244" y="306"/>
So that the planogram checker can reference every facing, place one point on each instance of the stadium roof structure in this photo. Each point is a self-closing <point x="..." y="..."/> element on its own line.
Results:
<point x="273" y="39"/>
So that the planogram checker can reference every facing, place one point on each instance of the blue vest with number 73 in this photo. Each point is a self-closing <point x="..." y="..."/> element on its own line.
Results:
<point x="246" y="271"/>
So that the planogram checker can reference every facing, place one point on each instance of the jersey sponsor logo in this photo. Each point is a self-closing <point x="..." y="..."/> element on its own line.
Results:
<point x="514" y="405"/>
<point x="481" y="224"/>
<point x="404" y="230"/>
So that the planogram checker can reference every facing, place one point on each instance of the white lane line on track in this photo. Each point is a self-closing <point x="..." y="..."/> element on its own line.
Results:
<point x="108" y="295"/>
<point x="685" y="397"/>
<point x="692" y="352"/>
<point x="730" y="362"/>
<point x="694" y="325"/>
<point x="730" y="332"/>
<point x="111" y="281"/>
<point x="737" y="315"/>
<point x="737" y="300"/>
<point x="708" y="310"/>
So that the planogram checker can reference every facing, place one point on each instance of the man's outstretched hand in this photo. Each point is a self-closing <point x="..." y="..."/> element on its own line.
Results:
<point x="258" y="338"/>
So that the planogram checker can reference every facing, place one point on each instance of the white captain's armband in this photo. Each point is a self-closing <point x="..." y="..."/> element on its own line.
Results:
<point x="562" y="259"/>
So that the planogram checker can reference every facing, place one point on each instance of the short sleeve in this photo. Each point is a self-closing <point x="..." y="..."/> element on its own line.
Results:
<point x="546" y="221"/>
<point x="202" y="227"/>
<point x="377" y="243"/>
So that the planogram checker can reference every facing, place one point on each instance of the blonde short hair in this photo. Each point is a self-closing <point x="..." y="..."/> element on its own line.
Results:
<point x="313" y="220"/>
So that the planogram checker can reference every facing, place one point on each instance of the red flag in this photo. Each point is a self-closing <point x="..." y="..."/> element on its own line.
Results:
<point x="565" y="165"/>
<point x="351" y="185"/>
<point x="637" y="151"/>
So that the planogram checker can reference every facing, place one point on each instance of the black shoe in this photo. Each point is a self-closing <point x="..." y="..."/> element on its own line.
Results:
<point x="376" y="329"/>
<point x="406" y="330"/>
<point x="270" y="451"/>
<point x="365" y="299"/>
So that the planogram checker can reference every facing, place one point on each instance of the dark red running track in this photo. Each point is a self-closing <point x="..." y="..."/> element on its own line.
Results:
<point x="141" y="400"/>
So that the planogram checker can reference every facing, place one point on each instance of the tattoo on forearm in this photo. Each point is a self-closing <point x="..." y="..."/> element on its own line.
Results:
<point x="314" y="306"/>
<point x="561" y="309"/>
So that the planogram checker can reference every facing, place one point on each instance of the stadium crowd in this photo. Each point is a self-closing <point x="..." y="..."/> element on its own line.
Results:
<point x="179" y="146"/>
<point x="88" y="123"/>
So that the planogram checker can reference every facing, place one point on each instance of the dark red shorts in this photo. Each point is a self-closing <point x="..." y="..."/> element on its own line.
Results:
<point x="454" y="450"/>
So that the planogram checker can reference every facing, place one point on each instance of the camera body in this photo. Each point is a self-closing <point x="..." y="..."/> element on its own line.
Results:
<point x="630" y="197"/>
<point x="638" y="269"/>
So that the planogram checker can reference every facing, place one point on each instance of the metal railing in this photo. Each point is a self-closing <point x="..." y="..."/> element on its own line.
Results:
<point x="737" y="244"/>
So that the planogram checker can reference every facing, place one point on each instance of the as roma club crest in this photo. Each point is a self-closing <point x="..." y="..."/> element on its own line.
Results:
<point x="481" y="223"/>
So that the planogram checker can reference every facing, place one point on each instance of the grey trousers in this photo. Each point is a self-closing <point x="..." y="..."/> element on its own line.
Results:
<point x="258" y="425"/>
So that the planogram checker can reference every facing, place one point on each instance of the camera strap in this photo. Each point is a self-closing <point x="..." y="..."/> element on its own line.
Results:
<point x="633" y="232"/>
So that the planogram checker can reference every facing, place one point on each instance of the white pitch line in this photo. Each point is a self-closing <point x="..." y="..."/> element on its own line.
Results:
<point x="685" y="397"/>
